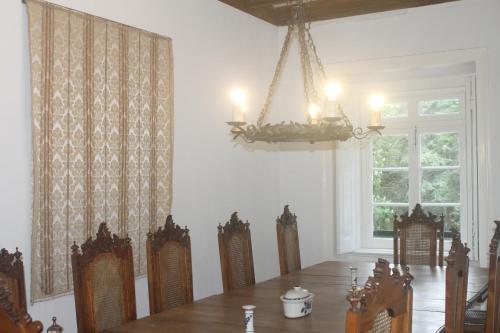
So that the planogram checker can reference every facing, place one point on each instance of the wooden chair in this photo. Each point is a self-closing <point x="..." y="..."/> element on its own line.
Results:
<point x="13" y="319"/>
<point x="385" y="303"/>
<point x="418" y="235"/>
<point x="288" y="242"/>
<point x="104" y="283"/>
<point x="170" y="278"/>
<point x="12" y="273"/>
<point x="457" y="274"/>
<point x="493" y="302"/>
<point x="235" y="249"/>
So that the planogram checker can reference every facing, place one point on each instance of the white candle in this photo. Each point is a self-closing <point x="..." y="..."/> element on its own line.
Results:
<point x="331" y="109"/>
<point x="377" y="103"/>
<point x="238" y="98"/>
<point x="238" y="112"/>
<point x="376" y="118"/>
<point x="314" y="114"/>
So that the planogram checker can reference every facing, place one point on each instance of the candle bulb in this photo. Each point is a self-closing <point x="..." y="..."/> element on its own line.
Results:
<point x="238" y="98"/>
<point x="377" y="103"/>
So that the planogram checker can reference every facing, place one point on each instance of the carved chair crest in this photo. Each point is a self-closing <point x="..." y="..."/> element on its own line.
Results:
<point x="457" y="250"/>
<point x="419" y="216"/>
<point x="234" y="225"/>
<point x="383" y="290"/>
<point x="10" y="261"/>
<point x="103" y="243"/>
<point x="169" y="232"/>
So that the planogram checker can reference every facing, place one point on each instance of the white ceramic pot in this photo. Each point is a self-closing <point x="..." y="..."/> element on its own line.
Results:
<point x="297" y="302"/>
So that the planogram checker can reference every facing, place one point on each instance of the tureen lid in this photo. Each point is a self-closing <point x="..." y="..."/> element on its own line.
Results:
<point x="296" y="293"/>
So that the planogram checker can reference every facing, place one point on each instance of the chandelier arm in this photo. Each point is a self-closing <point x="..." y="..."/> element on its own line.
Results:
<point x="272" y="87"/>
<point x="359" y="133"/>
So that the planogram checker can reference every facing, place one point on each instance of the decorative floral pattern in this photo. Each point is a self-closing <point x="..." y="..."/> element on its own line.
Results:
<point x="102" y="136"/>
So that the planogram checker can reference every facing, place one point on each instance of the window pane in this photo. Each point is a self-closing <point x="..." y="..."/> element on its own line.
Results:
<point x="395" y="110"/>
<point x="390" y="151"/>
<point x="390" y="186"/>
<point x="439" y="107"/>
<point x="383" y="217"/>
<point x="440" y="149"/>
<point x="451" y="216"/>
<point x="441" y="186"/>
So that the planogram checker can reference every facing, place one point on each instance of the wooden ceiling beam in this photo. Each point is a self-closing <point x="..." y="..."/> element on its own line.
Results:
<point x="278" y="13"/>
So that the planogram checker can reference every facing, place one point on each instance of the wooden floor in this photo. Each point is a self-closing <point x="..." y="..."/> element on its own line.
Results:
<point x="329" y="281"/>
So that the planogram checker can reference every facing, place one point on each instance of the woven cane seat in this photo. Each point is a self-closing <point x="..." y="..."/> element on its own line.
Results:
<point x="237" y="261"/>
<point x="475" y="317"/>
<point x="171" y="259"/>
<point x="418" y="244"/>
<point x="382" y="323"/>
<point x="107" y="284"/>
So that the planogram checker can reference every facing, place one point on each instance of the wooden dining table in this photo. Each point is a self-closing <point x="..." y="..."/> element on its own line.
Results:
<point x="329" y="281"/>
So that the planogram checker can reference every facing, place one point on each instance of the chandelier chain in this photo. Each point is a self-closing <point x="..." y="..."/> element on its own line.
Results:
<point x="272" y="87"/>
<point x="315" y="52"/>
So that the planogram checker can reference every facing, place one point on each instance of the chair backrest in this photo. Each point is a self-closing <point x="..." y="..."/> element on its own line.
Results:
<point x="385" y="303"/>
<point x="13" y="319"/>
<point x="288" y="242"/>
<point x="235" y="249"/>
<point x="104" y="283"/>
<point x="457" y="273"/>
<point x="419" y="234"/>
<point x="493" y="303"/>
<point x="170" y="279"/>
<point x="12" y="273"/>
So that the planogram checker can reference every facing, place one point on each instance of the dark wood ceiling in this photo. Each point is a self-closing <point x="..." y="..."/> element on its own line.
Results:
<point x="278" y="12"/>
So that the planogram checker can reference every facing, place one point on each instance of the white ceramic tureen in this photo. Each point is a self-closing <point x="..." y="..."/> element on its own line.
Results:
<point x="297" y="302"/>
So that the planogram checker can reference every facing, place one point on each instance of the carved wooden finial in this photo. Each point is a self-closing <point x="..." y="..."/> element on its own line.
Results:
<point x="287" y="218"/>
<point x="457" y="250"/>
<point x="495" y="239"/>
<point x="104" y="242"/>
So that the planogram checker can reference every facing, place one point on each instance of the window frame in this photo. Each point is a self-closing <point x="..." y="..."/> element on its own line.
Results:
<point x="414" y="126"/>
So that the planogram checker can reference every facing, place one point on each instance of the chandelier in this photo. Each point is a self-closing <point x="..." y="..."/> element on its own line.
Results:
<point x="329" y="123"/>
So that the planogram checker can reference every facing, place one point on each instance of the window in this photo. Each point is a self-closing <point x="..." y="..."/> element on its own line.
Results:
<point x="420" y="158"/>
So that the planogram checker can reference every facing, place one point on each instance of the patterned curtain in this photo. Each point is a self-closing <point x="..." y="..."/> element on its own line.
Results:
<point x="102" y="104"/>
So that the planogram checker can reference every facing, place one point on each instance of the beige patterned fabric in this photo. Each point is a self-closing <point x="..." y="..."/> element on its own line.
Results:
<point x="102" y="122"/>
<point x="172" y="267"/>
<point x="107" y="290"/>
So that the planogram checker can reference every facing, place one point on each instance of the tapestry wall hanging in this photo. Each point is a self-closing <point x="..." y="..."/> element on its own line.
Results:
<point x="102" y="123"/>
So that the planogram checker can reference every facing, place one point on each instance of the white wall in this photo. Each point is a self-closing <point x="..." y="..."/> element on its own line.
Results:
<point x="215" y="48"/>
<point x="466" y="24"/>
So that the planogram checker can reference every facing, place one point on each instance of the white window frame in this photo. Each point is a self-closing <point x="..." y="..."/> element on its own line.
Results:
<point x="414" y="126"/>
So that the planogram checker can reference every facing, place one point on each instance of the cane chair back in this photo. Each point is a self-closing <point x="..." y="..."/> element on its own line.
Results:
<point x="235" y="249"/>
<point x="457" y="273"/>
<point x="493" y="303"/>
<point x="288" y="242"/>
<point x="169" y="267"/>
<point x="13" y="319"/>
<point x="419" y="234"/>
<point x="385" y="303"/>
<point x="104" y="283"/>
<point x="12" y="274"/>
